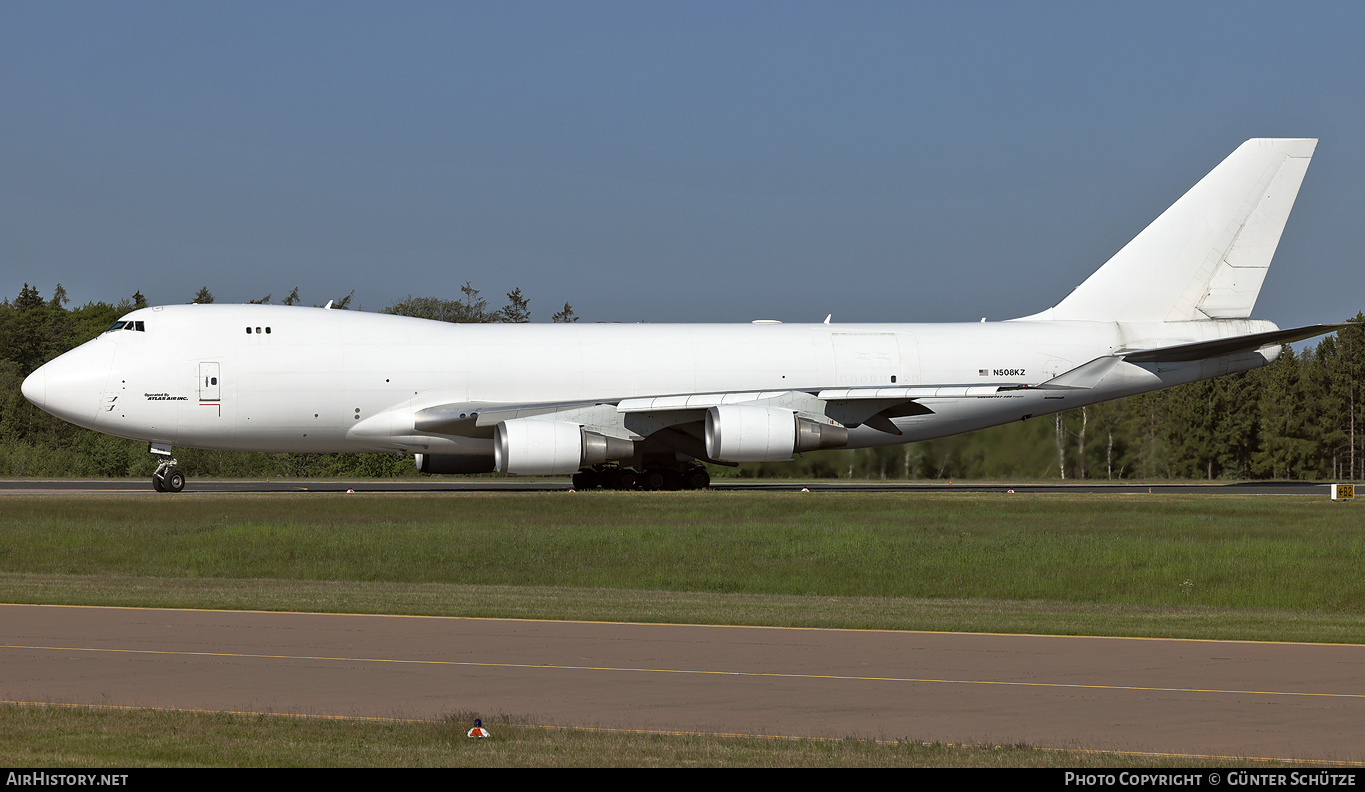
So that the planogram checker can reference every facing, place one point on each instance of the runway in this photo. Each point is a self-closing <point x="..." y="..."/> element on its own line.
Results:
<point x="447" y="485"/>
<point x="1229" y="699"/>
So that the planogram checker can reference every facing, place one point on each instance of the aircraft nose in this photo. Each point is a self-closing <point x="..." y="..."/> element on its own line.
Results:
<point x="70" y="386"/>
<point x="35" y="387"/>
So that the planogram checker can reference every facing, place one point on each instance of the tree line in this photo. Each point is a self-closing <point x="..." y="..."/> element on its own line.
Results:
<point x="1298" y="418"/>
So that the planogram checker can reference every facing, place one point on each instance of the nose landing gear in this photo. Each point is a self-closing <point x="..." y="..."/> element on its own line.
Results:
<point x="166" y="478"/>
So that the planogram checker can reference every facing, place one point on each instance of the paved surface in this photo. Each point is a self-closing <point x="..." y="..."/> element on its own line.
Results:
<point x="1166" y="696"/>
<point x="87" y="486"/>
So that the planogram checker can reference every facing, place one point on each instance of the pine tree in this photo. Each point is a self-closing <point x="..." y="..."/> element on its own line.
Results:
<point x="1349" y="379"/>
<point x="28" y="298"/>
<point x="1286" y="445"/>
<point x="517" y="310"/>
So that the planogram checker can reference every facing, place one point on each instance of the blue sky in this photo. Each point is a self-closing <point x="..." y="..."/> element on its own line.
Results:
<point x="652" y="161"/>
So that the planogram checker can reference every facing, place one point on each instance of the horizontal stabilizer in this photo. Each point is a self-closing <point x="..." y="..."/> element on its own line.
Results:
<point x="1226" y="346"/>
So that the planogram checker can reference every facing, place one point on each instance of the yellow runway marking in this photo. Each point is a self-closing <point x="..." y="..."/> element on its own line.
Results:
<point x="681" y="671"/>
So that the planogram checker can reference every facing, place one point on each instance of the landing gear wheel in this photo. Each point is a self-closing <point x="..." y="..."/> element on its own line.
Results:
<point x="166" y="478"/>
<point x="654" y="480"/>
<point x="173" y="481"/>
<point x="697" y="478"/>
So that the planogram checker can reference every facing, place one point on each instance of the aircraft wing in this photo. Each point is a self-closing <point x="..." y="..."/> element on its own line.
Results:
<point x="638" y="418"/>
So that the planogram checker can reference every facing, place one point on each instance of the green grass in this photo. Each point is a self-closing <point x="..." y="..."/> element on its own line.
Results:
<point x="53" y="737"/>
<point x="1261" y="567"/>
<point x="1240" y="552"/>
<point x="632" y="605"/>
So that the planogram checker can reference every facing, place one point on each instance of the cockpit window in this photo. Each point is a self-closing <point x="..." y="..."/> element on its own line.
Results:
<point x="122" y="325"/>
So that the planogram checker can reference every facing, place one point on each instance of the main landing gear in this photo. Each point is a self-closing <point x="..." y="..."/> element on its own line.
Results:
<point x="614" y="477"/>
<point x="166" y="478"/>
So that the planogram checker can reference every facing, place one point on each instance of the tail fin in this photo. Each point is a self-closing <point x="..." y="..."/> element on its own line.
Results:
<point x="1207" y="255"/>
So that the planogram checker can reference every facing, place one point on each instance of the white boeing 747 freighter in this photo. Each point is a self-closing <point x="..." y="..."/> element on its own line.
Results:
<point x="625" y="405"/>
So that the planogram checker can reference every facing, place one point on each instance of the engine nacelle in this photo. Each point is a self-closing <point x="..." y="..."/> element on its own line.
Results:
<point x="540" y="447"/>
<point x="749" y="433"/>
<point x="812" y="436"/>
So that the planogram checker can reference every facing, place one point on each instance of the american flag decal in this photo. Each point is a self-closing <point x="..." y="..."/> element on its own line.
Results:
<point x="982" y="372"/>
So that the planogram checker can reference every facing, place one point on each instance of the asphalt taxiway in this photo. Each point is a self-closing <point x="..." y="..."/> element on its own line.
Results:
<point x="1181" y="697"/>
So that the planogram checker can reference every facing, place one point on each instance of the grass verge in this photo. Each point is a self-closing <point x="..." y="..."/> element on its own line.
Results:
<point x="50" y="736"/>
<point x="626" y="605"/>
<point x="1255" y="567"/>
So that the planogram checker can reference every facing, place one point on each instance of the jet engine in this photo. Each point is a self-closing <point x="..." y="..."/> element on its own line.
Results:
<point x="749" y="433"/>
<point x="540" y="447"/>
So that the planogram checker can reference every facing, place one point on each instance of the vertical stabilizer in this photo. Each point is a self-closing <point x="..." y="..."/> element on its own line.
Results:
<point x="1206" y="256"/>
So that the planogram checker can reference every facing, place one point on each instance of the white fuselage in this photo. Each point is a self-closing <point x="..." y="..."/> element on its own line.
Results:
<point x="1168" y="308"/>
<point x="276" y="378"/>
